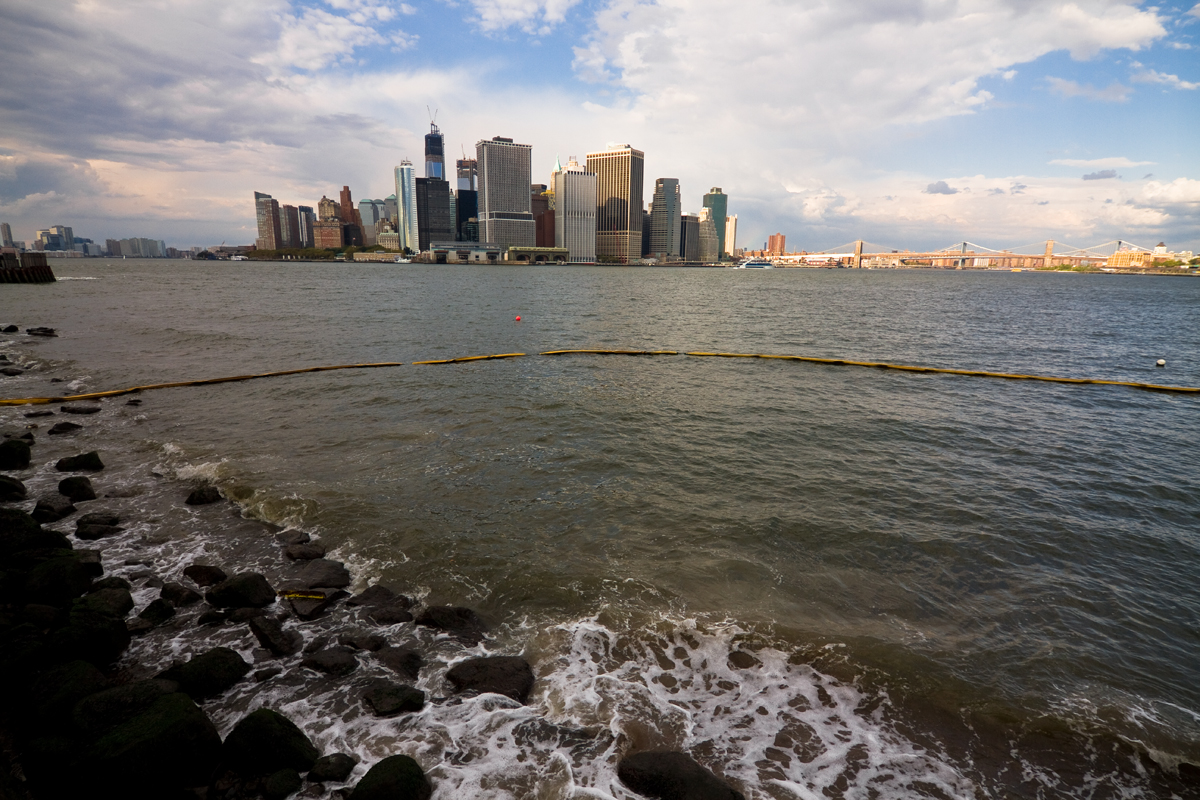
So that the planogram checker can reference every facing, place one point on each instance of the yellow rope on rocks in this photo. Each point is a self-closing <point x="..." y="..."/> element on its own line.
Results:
<point x="839" y="362"/>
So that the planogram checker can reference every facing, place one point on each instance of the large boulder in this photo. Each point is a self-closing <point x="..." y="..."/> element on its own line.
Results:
<point x="55" y="692"/>
<point x="204" y="575"/>
<point x="246" y="590"/>
<point x="64" y="428"/>
<point x="282" y="784"/>
<point x="321" y="573"/>
<point x="510" y="676"/>
<point x="306" y="551"/>
<point x="90" y="533"/>
<point x="52" y="509"/>
<point x="57" y="580"/>
<point x="308" y="604"/>
<point x="11" y="490"/>
<point x="388" y="699"/>
<point x="114" y="602"/>
<point x="394" y="778"/>
<point x="98" y="713"/>
<point x="19" y="531"/>
<point x="264" y="742"/>
<point x="337" y="662"/>
<point x="77" y="488"/>
<point x="379" y="595"/>
<point x="461" y="623"/>
<point x="203" y="496"/>
<point x="271" y="635"/>
<point x="336" y="767"/>
<point x="179" y="595"/>
<point x="14" y="454"/>
<point x="91" y="636"/>
<point x="98" y="518"/>
<point x="208" y="674"/>
<point x="671" y="775"/>
<point x="404" y="661"/>
<point x="84" y="462"/>
<point x="169" y="746"/>
<point x="157" y="612"/>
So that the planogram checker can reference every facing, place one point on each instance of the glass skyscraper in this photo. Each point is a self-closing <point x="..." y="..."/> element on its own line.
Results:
<point x="406" y="206"/>
<point x="435" y="153"/>
<point x="718" y="201"/>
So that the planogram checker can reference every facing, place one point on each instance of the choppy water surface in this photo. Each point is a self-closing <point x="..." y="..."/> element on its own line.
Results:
<point x="951" y="586"/>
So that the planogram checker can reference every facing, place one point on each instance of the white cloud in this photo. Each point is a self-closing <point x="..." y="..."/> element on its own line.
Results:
<point x="1113" y="93"/>
<point x="1180" y="190"/>
<point x="1152" y="76"/>
<point x="532" y="16"/>
<point x="1195" y="12"/>
<point x="1101" y="163"/>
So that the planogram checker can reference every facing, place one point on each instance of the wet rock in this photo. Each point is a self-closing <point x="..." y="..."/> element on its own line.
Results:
<point x="239" y="615"/>
<point x="90" y="533"/>
<point x="203" y="496"/>
<point x="292" y="537"/>
<point x="77" y="488"/>
<point x="111" y="582"/>
<point x="308" y="604"/>
<point x="361" y="640"/>
<point x="57" y="580"/>
<point x="64" y="428"/>
<point x="10" y="329"/>
<point x="89" y="636"/>
<point x="116" y="603"/>
<point x="52" y="509"/>
<point x="148" y="578"/>
<point x="92" y="561"/>
<point x="282" y="784"/>
<point x="208" y="674"/>
<point x="26" y="435"/>
<point x="169" y="746"/>
<point x="80" y="409"/>
<point x="179" y="595"/>
<point x="213" y="617"/>
<point x="19" y="531"/>
<point x="336" y="662"/>
<point x="134" y="402"/>
<point x="158" y="612"/>
<point x="98" y="518"/>
<point x="379" y="595"/>
<point x="462" y="623"/>
<point x="42" y="616"/>
<point x="336" y="768"/>
<point x="510" y="676"/>
<point x="55" y="691"/>
<point x="390" y="615"/>
<point x="394" y="778"/>
<point x="321" y="573"/>
<point x="318" y="643"/>
<point x="245" y="590"/>
<point x="84" y="462"/>
<point x="99" y="713"/>
<point x="41" y="331"/>
<point x="204" y="575"/>
<point x="11" y="489"/>
<point x="139" y="627"/>
<point x="740" y="659"/>
<point x="388" y="699"/>
<point x="271" y="635"/>
<point x="36" y="414"/>
<point x="672" y="775"/>
<point x="12" y="372"/>
<point x="304" y="552"/>
<point x="264" y="742"/>
<point x="14" y="454"/>
<point x="266" y="674"/>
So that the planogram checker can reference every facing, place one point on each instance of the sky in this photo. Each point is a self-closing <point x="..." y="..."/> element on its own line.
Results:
<point x="911" y="124"/>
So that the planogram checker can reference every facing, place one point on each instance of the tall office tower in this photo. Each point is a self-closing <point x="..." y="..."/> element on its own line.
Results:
<point x="434" y="223"/>
<point x="575" y="212"/>
<point x="619" y="177"/>
<point x="645" y="234"/>
<point x="113" y="246"/>
<point x="435" y="154"/>
<point x="351" y="221"/>
<point x="391" y="209"/>
<point x="305" y="214"/>
<point x="776" y="244"/>
<point x="731" y="235"/>
<point x="665" y="211"/>
<point x="406" y="206"/>
<point x="266" y="211"/>
<point x="466" y="208"/>
<point x="468" y="174"/>
<point x="6" y="239"/>
<point x="370" y="212"/>
<point x="289" y="227"/>
<point x="718" y="201"/>
<point x="689" y="237"/>
<point x="505" y="218"/>
<point x="710" y="243"/>
<point x="543" y="216"/>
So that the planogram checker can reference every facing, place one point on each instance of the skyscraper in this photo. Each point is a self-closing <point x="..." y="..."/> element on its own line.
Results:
<point x="505" y="218"/>
<point x="266" y="212"/>
<point x="351" y="221"/>
<point x="709" y="241"/>
<point x="289" y="227"/>
<point x="434" y="220"/>
<point x="6" y="239"/>
<point x="306" y="219"/>
<point x="435" y="153"/>
<point x="327" y="230"/>
<point x="406" y="206"/>
<point x="619" y="176"/>
<point x="731" y="235"/>
<point x="575" y="212"/>
<point x="665" y="211"/>
<point x="466" y="209"/>
<point x="468" y="174"/>
<point x="718" y="201"/>
<point x="371" y="212"/>
<point x="390" y="208"/>
<point x="689" y="235"/>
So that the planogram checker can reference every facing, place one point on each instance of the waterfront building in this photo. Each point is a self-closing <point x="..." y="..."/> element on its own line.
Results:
<point x="470" y="252"/>
<point x="327" y="234"/>
<point x="466" y="210"/>
<point x="6" y="239"/>
<point x="505" y="217"/>
<point x="113" y="246"/>
<point x="689" y="236"/>
<point x="575" y="212"/>
<point x="388" y="240"/>
<point x="306" y="219"/>
<point x="709" y="242"/>
<point x="406" y="206"/>
<point x="777" y="244"/>
<point x="434" y="222"/>
<point x="666" y="210"/>
<point x="351" y="221"/>
<point x="730" y="241"/>
<point x="435" y="154"/>
<point x="468" y="174"/>
<point x="266" y="213"/>
<point x="718" y="201"/>
<point x="289" y="227"/>
<point x="619" y="175"/>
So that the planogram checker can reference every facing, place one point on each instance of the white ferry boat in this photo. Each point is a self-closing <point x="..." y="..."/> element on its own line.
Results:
<point x="756" y="263"/>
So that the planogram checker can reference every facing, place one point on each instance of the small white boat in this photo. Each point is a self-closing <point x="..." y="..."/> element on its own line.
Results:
<point x="756" y="263"/>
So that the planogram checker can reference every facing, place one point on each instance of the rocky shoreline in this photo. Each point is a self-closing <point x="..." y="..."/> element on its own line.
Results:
<point x="88" y="714"/>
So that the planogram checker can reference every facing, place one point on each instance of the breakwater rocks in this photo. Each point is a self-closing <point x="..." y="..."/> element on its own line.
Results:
<point x="123" y="670"/>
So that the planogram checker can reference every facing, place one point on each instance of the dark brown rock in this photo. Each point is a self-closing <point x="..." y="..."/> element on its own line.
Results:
<point x="82" y="410"/>
<point x="462" y="623"/>
<point x="361" y="640"/>
<point x="379" y="595"/>
<point x="271" y="635"/>
<point x="64" y="428"/>
<point x="11" y="489"/>
<point x="203" y="496"/>
<point x="14" y="454"/>
<point x="308" y="604"/>
<point x="335" y="768"/>
<point x="304" y="552"/>
<point x="321" y="573"/>
<point x="390" y="615"/>
<point x="246" y="590"/>
<point x="394" y="778"/>
<point x="672" y="775"/>
<point x="204" y="575"/>
<point x="90" y="533"/>
<point x="337" y="662"/>
<point x="158" y="612"/>
<point x="52" y="509"/>
<point x="404" y="661"/>
<point x="208" y="674"/>
<point x="179" y="595"/>
<point x="84" y="462"/>
<point x="388" y="699"/>
<point x="510" y="676"/>
<point x="77" y="488"/>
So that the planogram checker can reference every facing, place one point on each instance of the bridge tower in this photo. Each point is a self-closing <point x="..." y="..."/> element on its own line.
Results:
<point x="1048" y="259"/>
<point x="858" y="248"/>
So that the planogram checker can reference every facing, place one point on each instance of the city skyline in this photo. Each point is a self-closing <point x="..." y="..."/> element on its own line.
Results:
<point x="1017" y="123"/>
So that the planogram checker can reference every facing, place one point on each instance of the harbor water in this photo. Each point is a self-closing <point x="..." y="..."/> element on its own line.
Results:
<point x="820" y="581"/>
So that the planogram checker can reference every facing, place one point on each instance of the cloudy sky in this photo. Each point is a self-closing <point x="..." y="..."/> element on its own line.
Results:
<point x="909" y="123"/>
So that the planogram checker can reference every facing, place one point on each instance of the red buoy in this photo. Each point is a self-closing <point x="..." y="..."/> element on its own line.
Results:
<point x="518" y="318"/>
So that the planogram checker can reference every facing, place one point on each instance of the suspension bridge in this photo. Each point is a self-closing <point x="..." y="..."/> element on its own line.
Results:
<point x="965" y="255"/>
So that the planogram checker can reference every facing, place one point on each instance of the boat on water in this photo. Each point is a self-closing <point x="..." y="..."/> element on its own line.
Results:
<point x="756" y="263"/>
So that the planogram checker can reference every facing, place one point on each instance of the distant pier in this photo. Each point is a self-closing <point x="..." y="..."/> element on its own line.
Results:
<point x="25" y="268"/>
